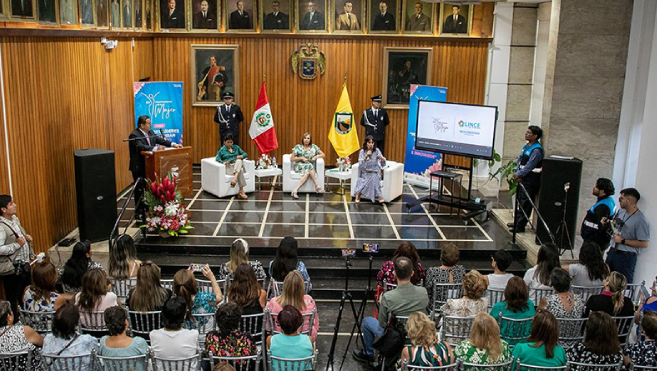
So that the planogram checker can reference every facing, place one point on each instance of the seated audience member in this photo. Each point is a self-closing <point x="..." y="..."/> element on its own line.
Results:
<point x="290" y="344"/>
<point x="94" y="296"/>
<point x="76" y="266"/>
<point x="293" y="294"/>
<point x="386" y="274"/>
<point x="516" y="305"/>
<point x="541" y="348"/>
<point x="591" y="271"/>
<point x="425" y="349"/>
<point x="484" y="346"/>
<point x="232" y="156"/>
<point x="402" y="301"/>
<point x="239" y="254"/>
<point x="185" y="286"/>
<point x="65" y="340"/>
<point x="123" y="263"/>
<point x="538" y="276"/>
<point x="227" y="340"/>
<point x="41" y="295"/>
<point x="644" y="353"/>
<point x="472" y="302"/>
<point x="563" y="304"/>
<point x="17" y="338"/>
<point x="148" y="295"/>
<point x="501" y="261"/>
<point x="612" y="300"/>
<point x="118" y="343"/>
<point x="600" y="346"/>
<point x="173" y="341"/>
<point x="650" y="303"/>
<point x="286" y="261"/>
<point x="449" y="272"/>
<point x="246" y="292"/>
<point x="223" y="366"/>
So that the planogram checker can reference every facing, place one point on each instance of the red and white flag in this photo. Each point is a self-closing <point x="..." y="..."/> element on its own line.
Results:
<point x="262" y="124"/>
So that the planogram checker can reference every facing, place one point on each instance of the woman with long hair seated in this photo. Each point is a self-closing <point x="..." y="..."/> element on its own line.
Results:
<point x="239" y="254"/>
<point x="370" y="161"/>
<point x="601" y="344"/>
<point x="227" y="340"/>
<point x="516" y="305"/>
<point x="293" y="294"/>
<point x="118" y="343"/>
<point x="246" y="292"/>
<point x="425" y="349"/>
<point x="612" y="299"/>
<point x="290" y="344"/>
<point x="232" y="156"/>
<point x="538" y="276"/>
<point x="148" y="295"/>
<point x="76" y="266"/>
<point x="173" y="341"/>
<point x="123" y="263"/>
<point x="16" y="338"/>
<point x="387" y="272"/>
<point x="42" y="295"/>
<point x="449" y="272"/>
<point x="304" y="157"/>
<point x="65" y="340"/>
<point x="94" y="296"/>
<point x="541" y="348"/>
<point x="287" y="260"/>
<point x="484" y="346"/>
<point x="591" y="270"/>
<point x="185" y="286"/>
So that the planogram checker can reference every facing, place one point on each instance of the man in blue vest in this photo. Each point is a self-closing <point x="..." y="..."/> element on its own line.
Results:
<point x="593" y="228"/>
<point x="528" y="173"/>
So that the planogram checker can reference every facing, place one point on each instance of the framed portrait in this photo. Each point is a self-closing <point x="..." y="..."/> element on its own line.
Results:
<point x="172" y="15"/>
<point x="206" y="15"/>
<point x="275" y="15"/>
<point x="311" y="16"/>
<point x="139" y="14"/>
<point x="21" y="10"/>
<point x="47" y="12"/>
<point x="127" y="14"/>
<point x="2" y="10"/>
<point x="417" y="16"/>
<point x="68" y="12"/>
<point x="149" y="10"/>
<point x="115" y="14"/>
<point x="87" y="12"/>
<point x="348" y="16"/>
<point x="384" y="16"/>
<point x="215" y="71"/>
<point x="102" y="13"/>
<point x="455" y="20"/>
<point x="241" y="15"/>
<point x="403" y="67"/>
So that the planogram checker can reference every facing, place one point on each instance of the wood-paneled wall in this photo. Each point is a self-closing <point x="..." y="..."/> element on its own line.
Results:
<point x="308" y="105"/>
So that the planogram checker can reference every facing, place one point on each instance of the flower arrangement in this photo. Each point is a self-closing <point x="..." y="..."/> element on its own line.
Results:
<point x="166" y="212"/>
<point x="344" y="164"/>
<point x="265" y="162"/>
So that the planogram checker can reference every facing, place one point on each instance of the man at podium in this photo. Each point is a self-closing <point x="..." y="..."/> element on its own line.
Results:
<point x="143" y="139"/>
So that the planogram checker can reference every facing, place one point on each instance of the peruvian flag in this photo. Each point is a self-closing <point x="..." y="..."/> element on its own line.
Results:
<point x="262" y="124"/>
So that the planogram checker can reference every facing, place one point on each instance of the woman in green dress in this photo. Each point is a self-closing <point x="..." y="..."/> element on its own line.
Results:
<point x="232" y="155"/>
<point x="304" y="156"/>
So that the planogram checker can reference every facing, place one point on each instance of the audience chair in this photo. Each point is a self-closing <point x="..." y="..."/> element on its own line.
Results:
<point x="135" y="363"/>
<point x="93" y="324"/>
<point x="641" y="368"/>
<point x="451" y="367"/>
<point x="53" y="362"/>
<point x="633" y="291"/>
<point x="275" y="288"/>
<point x="525" y="367"/>
<point x="455" y="329"/>
<point x="142" y="323"/>
<point x="494" y="297"/>
<point x="392" y="184"/>
<point x="167" y="284"/>
<point x="122" y="287"/>
<point x="537" y="294"/>
<point x="571" y="331"/>
<point x="15" y="361"/>
<point x="586" y="292"/>
<point x="291" y="178"/>
<point x="594" y="366"/>
<point x="40" y="322"/>
<point x="399" y="322"/>
<point x="506" y="366"/>
<point x="391" y="286"/>
<point x="516" y="330"/>
<point x="203" y="323"/>
<point x="624" y="325"/>
<point x="246" y="363"/>
<point x="206" y="286"/>
<point x="291" y="364"/>
<point x="214" y="179"/>
<point x="192" y="363"/>
<point x="253" y="324"/>
<point x="306" y="327"/>
<point x="444" y="291"/>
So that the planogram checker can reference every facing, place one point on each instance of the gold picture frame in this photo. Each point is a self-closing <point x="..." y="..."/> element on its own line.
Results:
<point x="235" y="22"/>
<point x="225" y="78"/>
<point x="211" y="22"/>
<point x="463" y="26"/>
<point x="271" y="23"/>
<point x="411" y="23"/>
<point x="403" y="67"/>
<point x="20" y="10"/>
<point x="353" y="24"/>
<point x="171" y="20"/>
<point x="319" y="21"/>
<point x="379" y="24"/>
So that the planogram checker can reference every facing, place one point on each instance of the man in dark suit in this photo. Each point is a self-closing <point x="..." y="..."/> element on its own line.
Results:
<point x="21" y="8"/>
<point x="172" y="16"/>
<point x="375" y="120"/>
<point x="312" y="20"/>
<point x="204" y="19"/>
<point x="239" y="19"/>
<point x="229" y="116"/>
<point x="143" y="139"/>
<point x="277" y="20"/>
<point x="384" y="21"/>
<point x="455" y="23"/>
<point x="138" y="12"/>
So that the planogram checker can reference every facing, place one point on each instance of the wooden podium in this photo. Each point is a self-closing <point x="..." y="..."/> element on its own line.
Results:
<point x="178" y="161"/>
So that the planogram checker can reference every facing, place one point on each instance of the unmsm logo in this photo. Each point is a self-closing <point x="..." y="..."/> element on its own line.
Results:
<point x="470" y="125"/>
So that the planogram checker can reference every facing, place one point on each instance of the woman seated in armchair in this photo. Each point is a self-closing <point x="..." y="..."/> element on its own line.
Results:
<point x="304" y="156"/>
<point x="232" y="156"/>
<point x="370" y="162"/>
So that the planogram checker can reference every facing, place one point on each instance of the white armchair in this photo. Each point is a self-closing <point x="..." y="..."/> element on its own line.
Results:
<point x="392" y="184"/>
<point x="214" y="179"/>
<point x="292" y="178"/>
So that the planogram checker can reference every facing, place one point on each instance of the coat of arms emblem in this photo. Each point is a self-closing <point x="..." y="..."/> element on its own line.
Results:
<point x="308" y="61"/>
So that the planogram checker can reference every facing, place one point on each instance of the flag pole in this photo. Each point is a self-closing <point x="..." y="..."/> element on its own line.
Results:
<point x="264" y="76"/>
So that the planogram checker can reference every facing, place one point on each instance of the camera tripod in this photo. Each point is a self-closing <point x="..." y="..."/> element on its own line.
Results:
<point x="358" y="314"/>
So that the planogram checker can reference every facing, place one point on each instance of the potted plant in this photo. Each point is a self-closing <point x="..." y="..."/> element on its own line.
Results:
<point x="166" y="213"/>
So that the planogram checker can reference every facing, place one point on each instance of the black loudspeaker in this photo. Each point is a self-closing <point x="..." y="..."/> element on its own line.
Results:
<point x="95" y="187"/>
<point x="556" y="174"/>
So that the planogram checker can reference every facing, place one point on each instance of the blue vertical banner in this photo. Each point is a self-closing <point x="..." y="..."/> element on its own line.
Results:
<point x="163" y="103"/>
<point x="419" y="164"/>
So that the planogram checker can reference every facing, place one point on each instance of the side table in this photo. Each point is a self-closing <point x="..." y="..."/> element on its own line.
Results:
<point x="264" y="173"/>
<point x="341" y="175"/>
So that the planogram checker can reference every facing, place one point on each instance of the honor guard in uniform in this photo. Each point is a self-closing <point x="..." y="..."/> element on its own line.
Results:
<point x="528" y="172"/>
<point x="593" y="227"/>
<point x="375" y="120"/>
<point x="229" y="116"/>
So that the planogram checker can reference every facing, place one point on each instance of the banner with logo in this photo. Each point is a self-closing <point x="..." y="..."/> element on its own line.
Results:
<point x="163" y="103"/>
<point x="419" y="164"/>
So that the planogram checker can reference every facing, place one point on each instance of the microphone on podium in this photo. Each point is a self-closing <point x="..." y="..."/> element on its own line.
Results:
<point x="162" y="134"/>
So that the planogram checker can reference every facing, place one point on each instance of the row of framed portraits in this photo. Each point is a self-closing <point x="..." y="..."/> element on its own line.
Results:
<point x="274" y="16"/>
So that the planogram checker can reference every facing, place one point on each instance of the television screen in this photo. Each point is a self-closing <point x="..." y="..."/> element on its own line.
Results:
<point x="452" y="128"/>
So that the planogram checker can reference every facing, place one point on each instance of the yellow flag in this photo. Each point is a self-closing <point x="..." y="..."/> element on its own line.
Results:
<point x="343" y="134"/>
